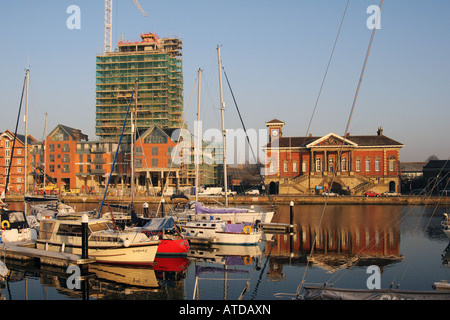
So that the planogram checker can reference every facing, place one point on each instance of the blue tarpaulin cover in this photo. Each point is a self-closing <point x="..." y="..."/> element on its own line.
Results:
<point x="158" y="224"/>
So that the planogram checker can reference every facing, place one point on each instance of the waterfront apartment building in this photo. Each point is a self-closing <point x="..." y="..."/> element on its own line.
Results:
<point x="14" y="162"/>
<point x="73" y="164"/>
<point x="306" y="165"/>
<point x="156" y="63"/>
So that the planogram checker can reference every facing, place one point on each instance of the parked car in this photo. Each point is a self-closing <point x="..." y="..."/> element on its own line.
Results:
<point x="252" y="192"/>
<point x="418" y="192"/>
<point x="371" y="194"/>
<point x="391" y="194"/>
<point x="329" y="194"/>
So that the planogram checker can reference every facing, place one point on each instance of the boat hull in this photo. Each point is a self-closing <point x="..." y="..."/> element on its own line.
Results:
<point x="173" y="247"/>
<point x="141" y="254"/>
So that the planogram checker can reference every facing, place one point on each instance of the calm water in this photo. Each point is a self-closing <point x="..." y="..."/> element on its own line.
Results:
<point x="405" y="242"/>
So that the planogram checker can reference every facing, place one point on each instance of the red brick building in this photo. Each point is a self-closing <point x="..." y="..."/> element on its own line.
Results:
<point x="305" y="165"/>
<point x="17" y="176"/>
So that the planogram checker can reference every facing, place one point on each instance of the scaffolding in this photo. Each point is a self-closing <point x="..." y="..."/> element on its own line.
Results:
<point x="157" y="64"/>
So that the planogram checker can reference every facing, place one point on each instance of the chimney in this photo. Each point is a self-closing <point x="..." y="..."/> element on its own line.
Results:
<point x="380" y="131"/>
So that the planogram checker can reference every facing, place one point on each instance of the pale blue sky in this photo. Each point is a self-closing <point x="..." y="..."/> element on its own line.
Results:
<point x="274" y="52"/>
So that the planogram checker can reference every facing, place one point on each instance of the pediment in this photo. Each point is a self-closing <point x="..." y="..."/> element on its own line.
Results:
<point x="331" y="140"/>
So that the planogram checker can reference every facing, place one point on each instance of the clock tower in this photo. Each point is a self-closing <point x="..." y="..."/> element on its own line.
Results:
<point x="275" y="129"/>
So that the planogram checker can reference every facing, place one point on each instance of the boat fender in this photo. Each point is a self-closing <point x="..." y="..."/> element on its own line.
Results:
<point x="248" y="260"/>
<point x="5" y="224"/>
<point x="247" y="229"/>
<point x="126" y="243"/>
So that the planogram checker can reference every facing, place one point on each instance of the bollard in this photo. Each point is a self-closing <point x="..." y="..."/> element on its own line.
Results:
<point x="145" y="206"/>
<point x="84" y="236"/>
<point x="291" y="218"/>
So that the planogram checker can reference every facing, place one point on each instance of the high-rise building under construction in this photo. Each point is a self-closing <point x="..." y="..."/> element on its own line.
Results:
<point x="156" y="63"/>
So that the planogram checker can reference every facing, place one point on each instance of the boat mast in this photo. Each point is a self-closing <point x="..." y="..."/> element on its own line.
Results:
<point x="133" y="140"/>
<point x="224" y="132"/>
<point x="197" y="149"/>
<point x="25" y="119"/>
<point x="45" y="152"/>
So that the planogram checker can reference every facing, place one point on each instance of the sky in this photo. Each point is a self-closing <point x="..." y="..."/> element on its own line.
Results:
<point x="275" y="54"/>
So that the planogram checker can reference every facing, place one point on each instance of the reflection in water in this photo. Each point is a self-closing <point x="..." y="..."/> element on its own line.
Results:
<point x="346" y="236"/>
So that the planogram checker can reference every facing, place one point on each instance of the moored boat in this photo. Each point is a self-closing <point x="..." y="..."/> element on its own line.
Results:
<point x="15" y="227"/>
<point x="172" y="241"/>
<point x="221" y="232"/>
<point x="195" y="211"/>
<point x="105" y="244"/>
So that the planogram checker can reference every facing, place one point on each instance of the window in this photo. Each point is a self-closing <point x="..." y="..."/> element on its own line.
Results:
<point x="391" y="165"/>
<point x="367" y="165"/>
<point x="285" y="166"/>
<point x="344" y="164"/>
<point x="19" y="169"/>
<point x="51" y="147"/>
<point x="295" y="166"/>
<point x="330" y="164"/>
<point x="19" y="151"/>
<point x="154" y="151"/>
<point x="51" y="168"/>
<point x="51" y="157"/>
<point x="358" y="165"/>
<point x="304" y="166"/>
<point x="318" y="165"/>
<point x="7" y="153"/>
<point x="272" y="167"/>
<point x="7" y="144"/>
<point x="377" y="164"/>
<point x="155" y="163"/>
<point x="19" y="161"/>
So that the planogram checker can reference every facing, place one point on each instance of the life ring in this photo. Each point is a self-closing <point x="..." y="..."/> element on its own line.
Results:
<point x="248" y="260"/>
<point x="5" y="224"/>
<point x="247" y="229"/>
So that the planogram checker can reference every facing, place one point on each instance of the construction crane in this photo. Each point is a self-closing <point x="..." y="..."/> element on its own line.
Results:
<point x="108" y="23"/>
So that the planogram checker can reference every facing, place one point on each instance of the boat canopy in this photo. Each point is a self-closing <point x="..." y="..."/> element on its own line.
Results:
<point x="159" y="224"/>
<point x="201" y="209"/>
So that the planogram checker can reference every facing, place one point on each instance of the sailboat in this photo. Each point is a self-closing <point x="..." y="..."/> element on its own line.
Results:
<point x="170" y="242"/>
<point x="15" y="225"/>
<point x="195" y="211"/>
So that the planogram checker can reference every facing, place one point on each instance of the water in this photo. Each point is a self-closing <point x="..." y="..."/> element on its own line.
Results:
<point x="406" y="243"/>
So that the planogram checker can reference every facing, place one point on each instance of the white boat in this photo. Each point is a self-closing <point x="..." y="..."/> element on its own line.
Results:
<point x="105" y="244"/>
<point x="221" y="232"/>
<point x="446" y="225"/>
<point x="15" y="227"/>
<point x="195" y="211"/>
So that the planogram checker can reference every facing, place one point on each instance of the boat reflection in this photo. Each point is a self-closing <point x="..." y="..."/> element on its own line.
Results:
<point x="232" y="262"/>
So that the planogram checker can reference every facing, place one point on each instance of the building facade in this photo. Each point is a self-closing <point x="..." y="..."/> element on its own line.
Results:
<point x="13" y="163"/>
<point x="351" y="165"/>
<point x="157" y="65"/>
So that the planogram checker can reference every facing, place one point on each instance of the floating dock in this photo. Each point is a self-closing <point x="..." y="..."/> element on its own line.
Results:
<point x="26" y="250"/>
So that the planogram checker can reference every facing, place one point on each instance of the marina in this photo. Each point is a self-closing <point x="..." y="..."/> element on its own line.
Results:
<point x="273" y="269"/>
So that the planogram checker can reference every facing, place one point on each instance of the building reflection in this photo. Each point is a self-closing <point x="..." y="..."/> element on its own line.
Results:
<point x="346" y="236"/>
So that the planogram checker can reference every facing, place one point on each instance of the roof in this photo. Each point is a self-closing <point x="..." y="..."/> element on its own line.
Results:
<point x="359" y="141"/>
<point x="76" y="134"/>
<point x="274" y="121"/>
